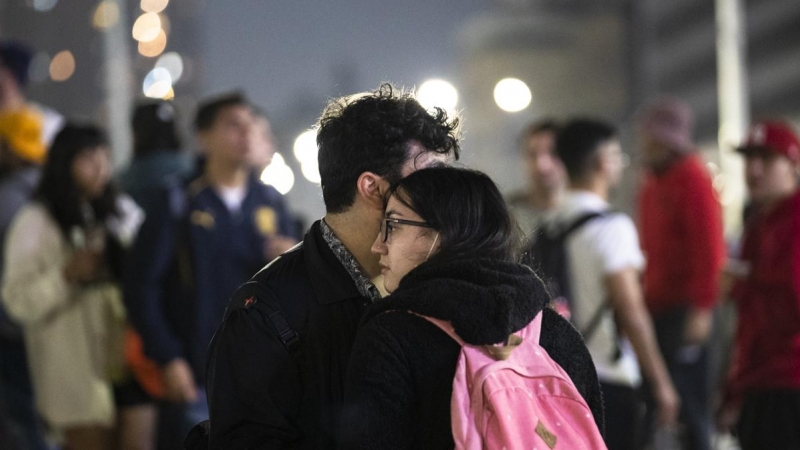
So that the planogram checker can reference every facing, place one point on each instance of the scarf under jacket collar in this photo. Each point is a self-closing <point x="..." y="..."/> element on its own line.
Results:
<point x="484" y="299"/>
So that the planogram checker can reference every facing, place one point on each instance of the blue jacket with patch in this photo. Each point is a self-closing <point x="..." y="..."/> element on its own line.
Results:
<point x="189" y="257"/>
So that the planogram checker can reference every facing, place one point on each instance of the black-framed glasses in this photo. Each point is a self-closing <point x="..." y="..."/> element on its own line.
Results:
<point x="386" y="225"/>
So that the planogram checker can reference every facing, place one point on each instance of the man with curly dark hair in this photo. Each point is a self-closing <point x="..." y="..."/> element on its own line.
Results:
<point x="277" y="363"/>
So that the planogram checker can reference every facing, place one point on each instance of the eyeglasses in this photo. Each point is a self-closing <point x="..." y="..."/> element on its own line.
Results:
<point x="386" y="225"/>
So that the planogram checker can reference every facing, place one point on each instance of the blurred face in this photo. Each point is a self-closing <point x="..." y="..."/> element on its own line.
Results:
<point x="406" y="245"/>
<point x="654" y="154"/>
<point x="91" y="169"/>
<point x="612" y="160"/>
<point x="770" y="176"/>
<point x="230" y="138"/>
<point x="262" y="143"/>
<point x="544" y="168"/>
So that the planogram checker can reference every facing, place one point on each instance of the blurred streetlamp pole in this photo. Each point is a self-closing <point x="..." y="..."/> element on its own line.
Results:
<point x="733" y="99"/>
<point x="117" y="85"/>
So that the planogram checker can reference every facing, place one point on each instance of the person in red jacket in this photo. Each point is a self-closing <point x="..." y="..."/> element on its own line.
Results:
<point x="680" y="223"/>
<point x="763" y="388"/>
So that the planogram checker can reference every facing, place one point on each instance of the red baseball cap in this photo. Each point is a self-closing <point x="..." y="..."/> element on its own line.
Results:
<point x="772" y="136"/>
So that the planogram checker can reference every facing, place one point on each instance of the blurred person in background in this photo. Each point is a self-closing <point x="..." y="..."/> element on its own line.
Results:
<point x="158" y="163"/>
<point x="605" y="265"/>
<point x="21" y="155"/>
<point x="263" y="142"/>
<point x="15" y="61"/>
<point x="63" y="258"/>
<point x="264" y="148"/>
<point x="547" y="179"/>
<point x="203" y="239"/>
<point x="680" y="221"/>
<point x="157" y="157"/>
<point x="761" y="399"/>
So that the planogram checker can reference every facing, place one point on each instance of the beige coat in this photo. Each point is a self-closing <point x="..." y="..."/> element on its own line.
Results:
<point x="72" y="333"/>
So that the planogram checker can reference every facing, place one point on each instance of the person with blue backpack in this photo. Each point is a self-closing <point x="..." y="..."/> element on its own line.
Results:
<point x="449" y="253"/>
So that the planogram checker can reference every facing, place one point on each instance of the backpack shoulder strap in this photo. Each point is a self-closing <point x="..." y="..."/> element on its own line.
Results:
<point x="532" y="331"/>
<point x="445" y="326"/>
<point x="255" y="294"/>
<point x="581" y="221"/>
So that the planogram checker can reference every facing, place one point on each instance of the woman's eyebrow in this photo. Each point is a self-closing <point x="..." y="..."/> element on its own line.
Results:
<point x="391" y="212"/>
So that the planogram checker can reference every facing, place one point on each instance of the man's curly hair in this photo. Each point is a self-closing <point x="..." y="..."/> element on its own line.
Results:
<point x="372" y="133"/>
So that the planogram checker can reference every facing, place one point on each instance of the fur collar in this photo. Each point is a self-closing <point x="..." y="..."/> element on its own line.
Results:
<point x="484" y="299"/>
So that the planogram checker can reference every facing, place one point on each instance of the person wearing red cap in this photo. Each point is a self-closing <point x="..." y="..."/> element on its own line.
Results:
<point x="680" y="223"/>
<point x="763" y="387"/>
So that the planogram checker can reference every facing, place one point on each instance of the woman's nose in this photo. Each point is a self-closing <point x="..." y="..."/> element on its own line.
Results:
<point x="379" y="247"/>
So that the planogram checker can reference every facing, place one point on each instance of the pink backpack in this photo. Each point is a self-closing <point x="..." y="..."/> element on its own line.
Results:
<point x="515" y="397"/>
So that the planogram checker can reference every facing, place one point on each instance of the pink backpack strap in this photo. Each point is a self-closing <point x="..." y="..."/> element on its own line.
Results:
<point x="531" y="332"/>
<point x="445" y="325"/>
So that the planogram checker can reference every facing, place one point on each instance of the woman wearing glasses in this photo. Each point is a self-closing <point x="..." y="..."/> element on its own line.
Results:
<point x="449" y="250"/>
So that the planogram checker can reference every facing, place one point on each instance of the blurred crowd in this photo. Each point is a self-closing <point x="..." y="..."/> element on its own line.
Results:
<point x="112" y="284"/>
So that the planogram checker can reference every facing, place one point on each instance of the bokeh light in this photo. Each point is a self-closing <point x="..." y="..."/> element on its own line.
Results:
<point x="173" y="62"/>
<point x="310" y="171"/>
<point x="153" y="6"/>
<point x="278" y="175"/>
<point x="42" y="5"/>
<point x="155" y="47"/>
<point x="106" y="15"/>
<point x="512" y="95"/>
<point x="305" y="146"/>
<point x="147" y="27"/>
<point x="438" y="93"/>
<point x="157" y="83"/>
<point x="62" y="66"/>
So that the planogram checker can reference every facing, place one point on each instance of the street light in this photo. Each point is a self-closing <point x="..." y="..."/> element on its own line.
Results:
<point x="438" y="93"/>
<point x="512" y="95"/>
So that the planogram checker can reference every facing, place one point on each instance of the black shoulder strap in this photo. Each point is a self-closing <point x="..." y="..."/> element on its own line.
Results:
<point x="579" y="222"/>
<point x="255" y="294"/>
<point x="594" y="322"/>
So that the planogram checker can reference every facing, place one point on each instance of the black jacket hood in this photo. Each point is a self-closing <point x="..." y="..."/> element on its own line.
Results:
<point x="484" y="299"/>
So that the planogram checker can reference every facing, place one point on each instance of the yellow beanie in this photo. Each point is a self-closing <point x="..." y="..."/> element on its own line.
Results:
<point x="21" y="129"/>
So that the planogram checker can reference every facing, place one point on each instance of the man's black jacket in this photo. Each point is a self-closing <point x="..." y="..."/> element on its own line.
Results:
<point x="262" y="396"/>
<point x="259" y="396"/>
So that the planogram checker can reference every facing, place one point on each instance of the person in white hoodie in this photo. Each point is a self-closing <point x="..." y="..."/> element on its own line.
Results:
<point x="63" y="256"/>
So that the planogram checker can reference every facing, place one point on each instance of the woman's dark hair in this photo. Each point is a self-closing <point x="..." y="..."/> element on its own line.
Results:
<point x="57" y="189"/>
<point x="467" y="210"/>
<point x="155" y="128"/>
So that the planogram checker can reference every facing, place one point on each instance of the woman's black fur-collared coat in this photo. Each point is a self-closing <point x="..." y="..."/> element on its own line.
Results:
<point x="399" y="382"/>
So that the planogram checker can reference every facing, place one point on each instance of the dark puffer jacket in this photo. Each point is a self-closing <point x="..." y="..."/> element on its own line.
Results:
<point x="401" y="371"/>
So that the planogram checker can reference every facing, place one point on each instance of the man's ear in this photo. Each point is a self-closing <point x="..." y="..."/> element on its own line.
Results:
<point x="372" y="188"/>
<point x="201" y="138"/>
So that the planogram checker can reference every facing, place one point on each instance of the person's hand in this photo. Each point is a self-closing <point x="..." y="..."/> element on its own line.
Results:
<point x="698" y="326"/>
<point x="278" y="244"/>
<point x="668" y="405"/>
<point x="179" y="385"/>
<point x="84" y="266"/>
<point x="727" y="418"/>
